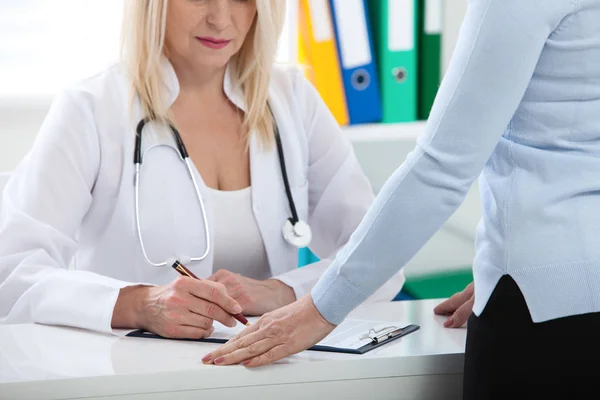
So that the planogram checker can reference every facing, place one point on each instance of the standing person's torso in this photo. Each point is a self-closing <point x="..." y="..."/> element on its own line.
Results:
<point x="541" y="187"/>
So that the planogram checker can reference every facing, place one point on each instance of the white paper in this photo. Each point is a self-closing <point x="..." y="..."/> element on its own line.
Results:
<point x="321" y="20"/>
<point x="123" y="332"/>
<point x="401" y="25"/>
<point x="353" y="333"/>
<point x="353" y="34"/>
<point x="350" y="334"/>
<point x="434" y="17"/>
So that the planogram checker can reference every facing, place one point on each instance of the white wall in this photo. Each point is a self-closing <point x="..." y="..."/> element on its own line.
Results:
<point x="454" y="12"/>
<point x="19" y="123"/>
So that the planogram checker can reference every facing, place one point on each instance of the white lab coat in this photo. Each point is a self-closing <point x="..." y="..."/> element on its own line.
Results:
<point x="70" y="202"/>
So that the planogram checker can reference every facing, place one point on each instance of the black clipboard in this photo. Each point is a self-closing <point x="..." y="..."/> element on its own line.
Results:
<point x="378" y="339"/>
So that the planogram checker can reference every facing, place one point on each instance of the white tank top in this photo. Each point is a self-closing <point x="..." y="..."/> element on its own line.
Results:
<point x="239" y="246"/>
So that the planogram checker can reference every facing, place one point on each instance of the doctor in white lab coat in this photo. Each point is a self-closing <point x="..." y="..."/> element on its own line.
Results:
<point x="70" y="253"/>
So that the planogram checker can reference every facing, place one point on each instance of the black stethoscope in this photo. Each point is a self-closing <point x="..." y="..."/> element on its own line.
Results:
<point x="295" y="231"/>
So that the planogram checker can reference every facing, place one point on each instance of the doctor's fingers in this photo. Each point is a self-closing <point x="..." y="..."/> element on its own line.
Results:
<point x="221" y="275"/>
<point x="188" y="332"/>
<point x="209" y="310"/>
<point x="194" y="332"/>
<point x="215" y="293"/>
<point x="191" y="318"/>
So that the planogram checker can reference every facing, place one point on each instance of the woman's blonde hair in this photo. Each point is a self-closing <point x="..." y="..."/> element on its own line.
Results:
<point x="143" y="39"/>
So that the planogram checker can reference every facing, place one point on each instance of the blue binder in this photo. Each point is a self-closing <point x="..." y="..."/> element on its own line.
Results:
<point x="354" y="41"/>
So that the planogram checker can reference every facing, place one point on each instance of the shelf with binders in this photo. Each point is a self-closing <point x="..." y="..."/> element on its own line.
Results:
<point x="364" y="66"/>
<point x="380" y="132"/>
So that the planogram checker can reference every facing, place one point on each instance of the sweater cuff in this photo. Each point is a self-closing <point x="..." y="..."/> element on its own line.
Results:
<point x="335" y="297"/>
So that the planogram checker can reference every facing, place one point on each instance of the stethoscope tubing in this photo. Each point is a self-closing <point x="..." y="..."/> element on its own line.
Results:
<point x="188" y="163"/>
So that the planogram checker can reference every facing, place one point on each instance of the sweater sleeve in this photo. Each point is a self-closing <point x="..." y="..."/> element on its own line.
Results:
<point x="498" y="49"/>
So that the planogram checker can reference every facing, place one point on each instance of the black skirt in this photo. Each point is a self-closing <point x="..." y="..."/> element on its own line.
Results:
<point x="508" y="356"/>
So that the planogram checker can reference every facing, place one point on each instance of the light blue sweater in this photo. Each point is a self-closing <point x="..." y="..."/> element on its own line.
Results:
<point x="520" y="101"/>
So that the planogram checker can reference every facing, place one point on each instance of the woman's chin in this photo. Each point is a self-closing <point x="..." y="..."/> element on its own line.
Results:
<point x="212" y="61"/>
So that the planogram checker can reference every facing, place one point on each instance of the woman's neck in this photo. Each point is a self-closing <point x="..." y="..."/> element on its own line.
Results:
<point x="200" y="84"/>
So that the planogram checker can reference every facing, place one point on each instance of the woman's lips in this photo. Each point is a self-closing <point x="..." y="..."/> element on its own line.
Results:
<point x="213" y="43"/>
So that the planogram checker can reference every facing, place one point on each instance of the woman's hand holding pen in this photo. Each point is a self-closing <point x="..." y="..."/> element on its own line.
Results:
<point x="276" y="335"/>
<point x="256" y="297"/>
<point x="184" y="308"/>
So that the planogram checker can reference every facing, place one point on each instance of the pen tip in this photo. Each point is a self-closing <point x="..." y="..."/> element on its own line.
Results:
<point x="247" y="323"/>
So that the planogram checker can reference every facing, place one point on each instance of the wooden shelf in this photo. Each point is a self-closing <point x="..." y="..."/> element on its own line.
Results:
<point x="409" y="131"/>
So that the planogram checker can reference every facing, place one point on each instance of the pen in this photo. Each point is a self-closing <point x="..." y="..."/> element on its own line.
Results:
<point x="179" y="267"/>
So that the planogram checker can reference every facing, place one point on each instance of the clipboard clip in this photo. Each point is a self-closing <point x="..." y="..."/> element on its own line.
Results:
<point x="383" y="334"/>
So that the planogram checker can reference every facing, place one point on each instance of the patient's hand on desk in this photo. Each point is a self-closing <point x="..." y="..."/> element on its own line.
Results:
<point x="458" y="307"/>
<point x="255" y="297"/>
<point x="184" y="308"/>
<point x="278" y="334"/>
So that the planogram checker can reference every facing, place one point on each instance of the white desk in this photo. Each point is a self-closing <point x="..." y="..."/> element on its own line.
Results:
<point x="43" y="362"/>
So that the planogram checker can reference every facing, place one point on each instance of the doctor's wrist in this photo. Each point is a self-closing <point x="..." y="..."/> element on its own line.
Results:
<point x="284" y="294"/>
<point x="127" y="313"/>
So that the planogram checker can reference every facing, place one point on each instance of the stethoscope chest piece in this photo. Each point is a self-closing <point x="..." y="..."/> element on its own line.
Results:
<point x="297" y="234"/>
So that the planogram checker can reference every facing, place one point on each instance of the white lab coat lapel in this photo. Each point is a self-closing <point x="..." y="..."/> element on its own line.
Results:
<point x="269" y="204"/>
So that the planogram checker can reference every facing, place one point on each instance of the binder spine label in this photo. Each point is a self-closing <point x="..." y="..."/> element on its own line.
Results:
<point x="353" y="35"/>
<point x="434" y="17"/>
<point x="401" y="25"/>
<point x="321" y="20"/>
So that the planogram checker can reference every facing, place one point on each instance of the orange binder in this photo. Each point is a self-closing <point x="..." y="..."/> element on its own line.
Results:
<point x="318" y="38"/>
<point x="304" y="59"/>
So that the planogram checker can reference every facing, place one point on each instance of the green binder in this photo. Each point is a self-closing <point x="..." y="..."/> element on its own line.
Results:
<point x="438" y="286"/>
<point x="430" y="54"/>
<point x="395" y="32"/>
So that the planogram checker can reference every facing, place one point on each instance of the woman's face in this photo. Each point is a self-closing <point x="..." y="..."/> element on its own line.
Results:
<point x="207" y="33"/>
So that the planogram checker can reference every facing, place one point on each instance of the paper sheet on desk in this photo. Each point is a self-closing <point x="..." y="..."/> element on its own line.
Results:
<point x="350" y="334"/>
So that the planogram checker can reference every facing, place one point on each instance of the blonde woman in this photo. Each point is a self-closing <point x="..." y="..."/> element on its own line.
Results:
<point x="200" y="76"/>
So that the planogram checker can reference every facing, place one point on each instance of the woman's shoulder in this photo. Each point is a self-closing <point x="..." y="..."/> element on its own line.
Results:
<point x="288" y="78"/>
<point x="92" y="110"/>
<point x="292" y="87"/>
<point x="107" y="88"/>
